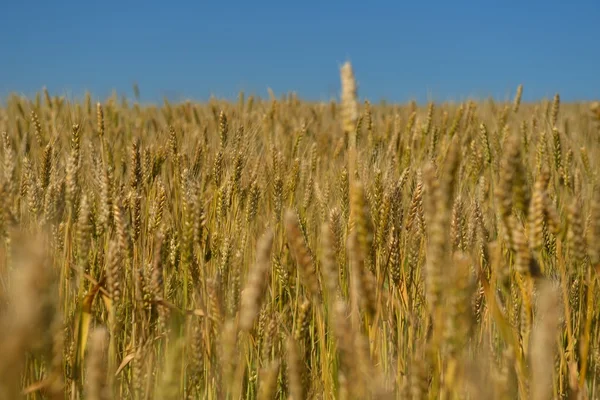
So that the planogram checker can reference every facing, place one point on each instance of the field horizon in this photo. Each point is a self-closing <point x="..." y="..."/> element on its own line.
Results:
<point x="269" y="95"/>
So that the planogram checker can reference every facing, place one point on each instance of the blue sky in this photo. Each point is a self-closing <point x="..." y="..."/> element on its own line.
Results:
<point x="440" y="50"/>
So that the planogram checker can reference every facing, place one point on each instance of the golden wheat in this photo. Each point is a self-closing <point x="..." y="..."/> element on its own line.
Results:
<point x="279" y="249"/>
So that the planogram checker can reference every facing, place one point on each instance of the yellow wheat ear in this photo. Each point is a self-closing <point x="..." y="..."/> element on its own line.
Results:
<point x="595" y="109"/>
<point x="349" y="114"/>
<point x="349" y="98"/>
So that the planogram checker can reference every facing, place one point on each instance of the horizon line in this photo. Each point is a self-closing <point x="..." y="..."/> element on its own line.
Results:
<point x="131" y="98"/>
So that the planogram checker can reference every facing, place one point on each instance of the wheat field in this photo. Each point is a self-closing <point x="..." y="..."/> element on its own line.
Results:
<point x="282" y="249"/>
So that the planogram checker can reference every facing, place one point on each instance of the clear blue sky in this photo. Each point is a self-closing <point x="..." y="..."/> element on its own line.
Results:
<point x="400" y="50"/>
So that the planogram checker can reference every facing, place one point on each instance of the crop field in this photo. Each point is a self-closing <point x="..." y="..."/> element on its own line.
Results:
<point x="282" y="249"/>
